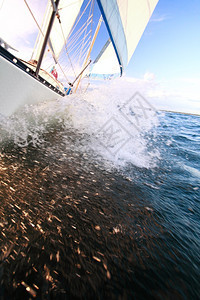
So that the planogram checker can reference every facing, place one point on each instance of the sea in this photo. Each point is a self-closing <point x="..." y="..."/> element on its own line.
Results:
<point x="100" y="199"/>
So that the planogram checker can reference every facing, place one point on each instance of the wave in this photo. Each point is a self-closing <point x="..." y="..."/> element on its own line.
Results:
<point x="193" y="171"/>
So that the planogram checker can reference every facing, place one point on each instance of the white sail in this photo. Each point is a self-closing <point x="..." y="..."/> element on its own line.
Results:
<point x="126" y="21"/>
<point x="42" y="31"/>
<point x="107" y="63"/>
<point x="67" y="12"/>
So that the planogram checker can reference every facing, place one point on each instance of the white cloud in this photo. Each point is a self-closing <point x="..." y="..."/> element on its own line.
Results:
<point x="149" y="76"/>
<point x="17" y="26"/>
<point x="180" y="94"/>
<point x="159" y="18"/>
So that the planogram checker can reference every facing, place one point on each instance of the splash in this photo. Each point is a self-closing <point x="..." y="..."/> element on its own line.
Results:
<point x="193" y="171"/>
<point x="114" y="122"/>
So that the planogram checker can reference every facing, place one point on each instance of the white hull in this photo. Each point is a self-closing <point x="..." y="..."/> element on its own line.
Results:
<point x="18" y="88"/>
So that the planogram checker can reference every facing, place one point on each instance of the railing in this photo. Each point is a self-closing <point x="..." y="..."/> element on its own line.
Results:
<point x="21" y="65"/>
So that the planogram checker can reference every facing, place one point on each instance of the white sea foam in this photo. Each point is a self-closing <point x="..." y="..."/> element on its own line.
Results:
<point x="116" y="119"/>
<point x="193" y="171"/>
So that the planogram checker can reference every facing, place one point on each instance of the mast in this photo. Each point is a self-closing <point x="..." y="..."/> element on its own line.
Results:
<point x="55" y="9"/>
<point x="89" y="51"/>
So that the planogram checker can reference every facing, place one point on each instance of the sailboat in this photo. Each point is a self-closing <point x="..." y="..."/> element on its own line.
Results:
<point x="66" y="39"/>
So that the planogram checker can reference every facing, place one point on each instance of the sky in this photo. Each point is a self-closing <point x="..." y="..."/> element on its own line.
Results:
<point x="166" y="60"/>
<point x="169" y="54"/>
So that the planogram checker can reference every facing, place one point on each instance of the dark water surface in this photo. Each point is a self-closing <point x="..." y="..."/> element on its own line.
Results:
<point x="74" y="228"/>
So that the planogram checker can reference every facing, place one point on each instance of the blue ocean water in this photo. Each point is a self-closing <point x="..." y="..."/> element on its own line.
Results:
<point x="174" y="189"/>
<point x="81" y="222"/>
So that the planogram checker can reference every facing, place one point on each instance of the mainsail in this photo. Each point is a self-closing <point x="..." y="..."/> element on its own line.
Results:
<point x="126" y="21"/>
<point x="67" y="13"/>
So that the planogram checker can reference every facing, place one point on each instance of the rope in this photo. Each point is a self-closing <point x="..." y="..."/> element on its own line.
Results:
<point x="77" y="34"/>
<point x="76" y="45"/>
<point x="75" y="38"/>
<point x="43" y="35"/>
<point x="66" y="47"/>
<point x="36" y="24"/>
<point x="79" y="18"/>
<point x="87" y="24"/>
<point x="84" y="49"/>
<point x="33" y="17"/>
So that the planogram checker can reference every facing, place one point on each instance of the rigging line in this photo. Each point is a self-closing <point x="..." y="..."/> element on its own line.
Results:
<point x="86" y="46"/>
<point x="81" y="73"/>
<point x="91" y="37"/>
<point x="76" y="42"/>
<point x="73" y="43"/>
<point x="62" y="71"/>
<point x="77" y="45"/>
<point x="35" y="22"/>
<point x="90" y="49"/>
<point x="77" y="34"/>
<point x="88" y="22"/>
<point x="90" y="14"/>
<point x="65" y="44"/>
<point x="83" y="42"/>
<point x="86" y="42"/>
<point x="76" y="56"/>
<point x="66" y="6"/>
<point x="70" y="51"/>
<point x="40" y="34"/>
<point x="92" y="18"/>
<point x="68" y="70"/>
<point x="43" y="35"/>
<point x="61" y="68"/>
<point x="33" y="17"/>
<point x="85" y="52"/>
<point x="65" y="69"/>
<point x="79" y="18"/>
<point x="39" y="29"/>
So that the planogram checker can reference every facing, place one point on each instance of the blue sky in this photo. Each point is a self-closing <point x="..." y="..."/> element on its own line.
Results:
<point x="170" y="46"/>
<point x="169" y="51"/>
